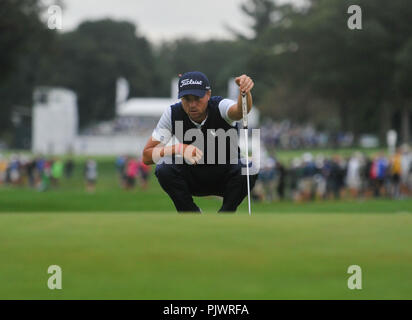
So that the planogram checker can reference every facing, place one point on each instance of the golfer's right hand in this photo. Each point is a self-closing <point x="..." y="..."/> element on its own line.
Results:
<point x="191" y="153"/>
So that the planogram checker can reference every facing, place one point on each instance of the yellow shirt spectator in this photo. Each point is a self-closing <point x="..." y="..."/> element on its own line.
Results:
<point x="396" y="167"/>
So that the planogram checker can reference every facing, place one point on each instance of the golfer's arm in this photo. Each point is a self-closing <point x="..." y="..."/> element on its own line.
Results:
<point x="235" y="112"/>
<point x="155" y="149"/>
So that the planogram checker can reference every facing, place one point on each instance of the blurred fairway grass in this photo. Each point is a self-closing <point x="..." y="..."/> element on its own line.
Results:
<point x="116" y="244"/>
<point x="170" y="256"/>
<point x="154" y="200"/>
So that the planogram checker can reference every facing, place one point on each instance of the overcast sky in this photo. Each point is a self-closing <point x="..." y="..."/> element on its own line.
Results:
<point x="164" y="19"/>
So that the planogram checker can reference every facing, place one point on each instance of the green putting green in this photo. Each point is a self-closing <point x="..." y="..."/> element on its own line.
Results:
<point x="117" y="244"/>
<point x="210" y="256"/>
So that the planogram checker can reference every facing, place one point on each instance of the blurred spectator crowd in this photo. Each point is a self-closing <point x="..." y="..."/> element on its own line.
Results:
<point x="285" y="135"/>
<point x="316" y="178"/>
<point x="38" y="172"/>
<point x="131" y="169"/>
<point x="43" y="173"/>
<point x="304" y="178"/>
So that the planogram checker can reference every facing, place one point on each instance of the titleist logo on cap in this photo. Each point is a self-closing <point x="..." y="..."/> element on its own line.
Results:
<point x="187" y="82"/>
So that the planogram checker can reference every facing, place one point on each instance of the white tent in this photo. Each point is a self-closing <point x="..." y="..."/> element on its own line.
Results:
<point x="153" y="107"/>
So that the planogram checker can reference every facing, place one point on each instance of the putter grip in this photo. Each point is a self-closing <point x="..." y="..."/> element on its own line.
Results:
<point x="244" y="110"/>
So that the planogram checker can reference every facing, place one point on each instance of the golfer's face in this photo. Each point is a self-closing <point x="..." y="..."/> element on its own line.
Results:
<point x="195" y="107"/>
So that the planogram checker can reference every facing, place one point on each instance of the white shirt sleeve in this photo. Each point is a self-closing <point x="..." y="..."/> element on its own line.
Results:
<point x="163" y="130"/>
<point x="224" y="106"/>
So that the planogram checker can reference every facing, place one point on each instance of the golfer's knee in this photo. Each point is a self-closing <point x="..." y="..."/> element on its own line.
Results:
<point x="164" y="172"/>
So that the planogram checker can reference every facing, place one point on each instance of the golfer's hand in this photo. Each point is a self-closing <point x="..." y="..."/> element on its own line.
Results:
<point x="192" y="154"/>
<point x="245" y="83"/>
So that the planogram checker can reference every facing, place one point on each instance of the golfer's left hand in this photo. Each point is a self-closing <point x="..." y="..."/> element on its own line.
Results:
<point x="245" y="83"/>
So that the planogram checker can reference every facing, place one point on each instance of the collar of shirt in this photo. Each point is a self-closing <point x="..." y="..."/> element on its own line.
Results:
<point x="201" y="124"/>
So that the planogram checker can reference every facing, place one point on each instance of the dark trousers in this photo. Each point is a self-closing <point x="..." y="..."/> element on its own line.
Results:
<point x="181" y="182"/>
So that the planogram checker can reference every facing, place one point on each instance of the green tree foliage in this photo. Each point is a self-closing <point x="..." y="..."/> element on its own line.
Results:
<point x="309" y="56"/>
<point x="91" y="58"/>
<point x="219" y="60"/>
<point x="261" y="12"/>
<point x="19" y="24"/>
<point x="24" y="39"/>
<point x="307" y="64"/>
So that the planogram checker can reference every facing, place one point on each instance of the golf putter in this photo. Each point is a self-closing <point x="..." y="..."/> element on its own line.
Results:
<point x="245" y="128"/>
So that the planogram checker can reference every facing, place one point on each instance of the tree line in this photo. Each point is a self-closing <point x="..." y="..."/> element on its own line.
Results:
<point x="307" y="64"/>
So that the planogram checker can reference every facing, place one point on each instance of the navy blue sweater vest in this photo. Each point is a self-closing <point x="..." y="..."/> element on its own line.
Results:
<point x="214" y="121"/>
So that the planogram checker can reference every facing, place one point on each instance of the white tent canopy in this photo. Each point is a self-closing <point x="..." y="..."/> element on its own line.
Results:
<point x="154" y="107"/>
<point x="145" y="107"/>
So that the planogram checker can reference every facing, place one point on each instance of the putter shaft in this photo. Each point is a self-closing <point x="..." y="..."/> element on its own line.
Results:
<point x="245" y="127"/>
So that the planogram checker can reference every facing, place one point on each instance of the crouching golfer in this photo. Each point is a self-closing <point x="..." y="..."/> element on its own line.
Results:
<point x="206" y="161"/>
